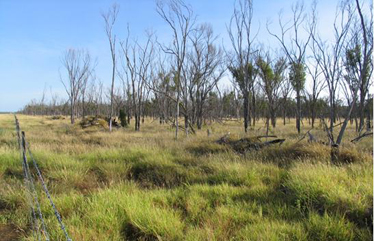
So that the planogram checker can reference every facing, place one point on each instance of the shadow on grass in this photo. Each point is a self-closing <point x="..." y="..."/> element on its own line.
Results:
<point x="132" y="233"/>
<point x="150" y="175"/>
<point x="9" y="232"/>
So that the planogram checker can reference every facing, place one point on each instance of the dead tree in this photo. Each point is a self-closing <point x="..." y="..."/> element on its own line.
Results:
<point x="329" y="56"/>
<point x="295" y="51"/>
<point x="137" y="63"/>
<point x="361" y="50"/>
<point x="181" y="19"/>
<point x="342" y="66"/>
<point x="110" y="18"/>
<point x="205" y="69"/>
<point x="78" y="66"/>
<point x="286" y="90"/>
<point x="241" y="60"/>
<point x="316" y="87"/>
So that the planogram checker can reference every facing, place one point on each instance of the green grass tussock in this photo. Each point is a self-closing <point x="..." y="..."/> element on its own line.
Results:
<point x="345" y="190"/>
<point x="206" y="147"/>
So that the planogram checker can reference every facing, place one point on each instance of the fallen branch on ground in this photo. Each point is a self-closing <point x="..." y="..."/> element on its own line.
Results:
<point x="361" y="136"/>
<point x="310" y="136"/>
<point x="266" y="136"/>
<point x="247" y="144"/>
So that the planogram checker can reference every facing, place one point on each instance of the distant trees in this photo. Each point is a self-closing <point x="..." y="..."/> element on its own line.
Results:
<point x="182" y="78"/>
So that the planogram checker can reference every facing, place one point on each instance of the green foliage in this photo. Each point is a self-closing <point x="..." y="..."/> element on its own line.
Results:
<point x="297" y="76"/>
<point x="123" y="118"/>
<point x="353" y="62"/>
<point x="271" y="76"/>
<point x="244" y="76"/>
<point x="265" y="71"/>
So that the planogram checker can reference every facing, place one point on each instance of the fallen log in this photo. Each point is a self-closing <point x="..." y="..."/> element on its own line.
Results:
<point x="224" y="139"/>
<point x="265" y="136"/>
<point x="276" y="141"/>
<point x="247" y="144"/>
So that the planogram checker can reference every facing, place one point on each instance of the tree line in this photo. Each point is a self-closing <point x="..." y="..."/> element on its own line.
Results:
<point x="181" y="80"/>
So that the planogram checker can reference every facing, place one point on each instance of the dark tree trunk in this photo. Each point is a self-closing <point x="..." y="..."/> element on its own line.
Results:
<point x="186" y="123"/>
<point x="362" y="110"/>
<point x="72" y="110"/>
<point x="298" y="112"/>
<point x="199" y="120"/>
<point x="254" y="108"/>
<point x="137" y="119"/>
<point x="313" y="117"/>
<point x="246" y="112"/>
<point x="273" y="118"/>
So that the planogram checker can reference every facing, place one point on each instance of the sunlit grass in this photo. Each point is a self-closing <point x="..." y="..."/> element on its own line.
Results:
<point x="145" y="185"/>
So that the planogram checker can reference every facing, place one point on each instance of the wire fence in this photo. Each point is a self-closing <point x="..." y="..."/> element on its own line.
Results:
<point x="38" y="224"/>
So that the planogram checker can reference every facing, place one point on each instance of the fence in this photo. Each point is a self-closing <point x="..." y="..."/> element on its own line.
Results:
<point x="38" y="224"/>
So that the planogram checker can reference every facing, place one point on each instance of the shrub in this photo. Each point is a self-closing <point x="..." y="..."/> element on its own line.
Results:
<point x="123" y="118"/>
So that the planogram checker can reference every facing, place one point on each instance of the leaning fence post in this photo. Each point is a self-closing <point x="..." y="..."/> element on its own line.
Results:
<point x="23" y="149"/>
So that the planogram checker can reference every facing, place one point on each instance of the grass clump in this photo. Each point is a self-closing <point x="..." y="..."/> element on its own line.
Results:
<point x="327" y="188"/>
<point x="352" y="155"/>
<point x="286" y="154"/>
<point x="331" y="227"/>
<point x="151" y="221"/>
<point x="156" y="175"/>
<point x="206" y="147"/>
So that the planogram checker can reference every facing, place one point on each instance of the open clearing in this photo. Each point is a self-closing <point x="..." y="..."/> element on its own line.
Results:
<point x="129" y="185"/>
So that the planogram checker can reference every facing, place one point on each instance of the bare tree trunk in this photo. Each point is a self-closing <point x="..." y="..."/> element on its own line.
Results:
<point x="344" y="126"/>
<point x="110" y="19"/>
<point x="361" y="111"/>
<point x="176" y="118"/>
<point x="254" y="107"/>
<point x="111" y="95"/>
<point x="199" y="119"/>
<point x="83" y="108"/>
<point x="72" y="110"/>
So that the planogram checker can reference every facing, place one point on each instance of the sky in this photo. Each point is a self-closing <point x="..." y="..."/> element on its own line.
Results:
<point x="34" y="35"/>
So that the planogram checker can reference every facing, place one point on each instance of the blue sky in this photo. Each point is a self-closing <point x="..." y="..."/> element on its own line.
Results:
<point x="34" y="34"/>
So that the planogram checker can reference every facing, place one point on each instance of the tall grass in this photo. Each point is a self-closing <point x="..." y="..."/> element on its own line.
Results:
<point x="129" y="185"/>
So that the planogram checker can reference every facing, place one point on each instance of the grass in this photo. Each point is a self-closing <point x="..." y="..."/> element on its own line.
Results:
<point x="129" y="185"/>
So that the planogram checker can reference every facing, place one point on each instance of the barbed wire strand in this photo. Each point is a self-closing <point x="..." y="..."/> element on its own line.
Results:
<point x="33" y="190"/>
<point x="39" y="174"/>
<point x="27" y="191"/>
